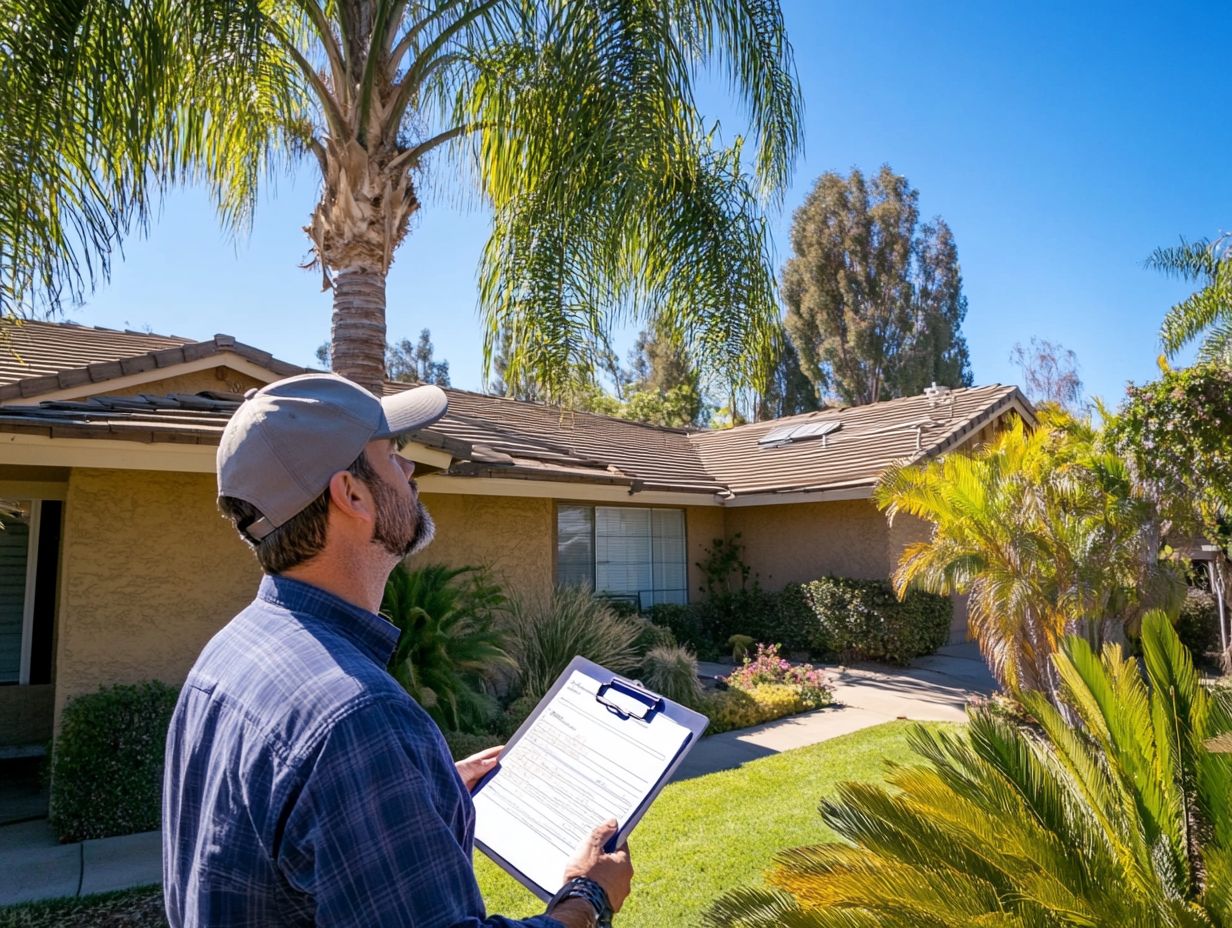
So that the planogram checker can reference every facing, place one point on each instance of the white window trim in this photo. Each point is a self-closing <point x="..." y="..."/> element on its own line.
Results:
<point x="27" y="609"/>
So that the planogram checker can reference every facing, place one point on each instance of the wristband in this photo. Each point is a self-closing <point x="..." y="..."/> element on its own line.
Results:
<point x="583" y="887"/>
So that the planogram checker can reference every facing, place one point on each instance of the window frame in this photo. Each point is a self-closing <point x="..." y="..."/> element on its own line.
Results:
<point x="593" y="506"/>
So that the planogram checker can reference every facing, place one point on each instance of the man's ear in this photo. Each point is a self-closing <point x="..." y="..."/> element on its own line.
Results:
<point x="351" y="496"/>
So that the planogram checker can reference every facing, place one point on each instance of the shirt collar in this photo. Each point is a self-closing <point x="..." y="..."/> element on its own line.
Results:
<point x="372" y="633"/>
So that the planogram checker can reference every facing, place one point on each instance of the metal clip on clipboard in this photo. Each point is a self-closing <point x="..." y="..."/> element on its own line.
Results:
<point x="628" y="700"/>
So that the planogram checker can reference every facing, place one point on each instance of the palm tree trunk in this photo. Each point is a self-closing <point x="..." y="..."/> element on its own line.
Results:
<point x="357" y="332"/>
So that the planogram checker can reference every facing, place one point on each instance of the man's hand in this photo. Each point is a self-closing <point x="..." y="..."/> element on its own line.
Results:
<point x="614" y="872"/>
<point x="477" y="766"/>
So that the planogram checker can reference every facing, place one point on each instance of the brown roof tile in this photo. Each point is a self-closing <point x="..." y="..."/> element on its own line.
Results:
<point x="43" y="357"/>
<point x="488" y="435"/>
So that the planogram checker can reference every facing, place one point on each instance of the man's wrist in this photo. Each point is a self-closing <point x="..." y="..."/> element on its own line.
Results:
<point x="588" y="894"/>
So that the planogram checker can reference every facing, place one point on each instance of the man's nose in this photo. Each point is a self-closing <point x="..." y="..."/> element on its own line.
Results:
<point x="408" y="467"/>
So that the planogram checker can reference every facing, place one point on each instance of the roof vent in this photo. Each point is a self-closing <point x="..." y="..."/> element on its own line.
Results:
<point x="789" y="434"/>
<point x="937" y="395"/>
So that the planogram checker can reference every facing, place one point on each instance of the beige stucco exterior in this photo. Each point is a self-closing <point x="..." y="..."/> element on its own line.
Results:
<point x="803" y="541"/>
<point x="149" y="571"/>
<point x="512" y="536"/>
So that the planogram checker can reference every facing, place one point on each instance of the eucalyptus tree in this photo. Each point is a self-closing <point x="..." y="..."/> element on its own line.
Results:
<point x="1207" y="312"/>
<point x="575" y="120"/>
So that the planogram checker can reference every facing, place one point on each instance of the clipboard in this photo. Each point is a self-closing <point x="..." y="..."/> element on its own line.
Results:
<point x="626" y="702"/>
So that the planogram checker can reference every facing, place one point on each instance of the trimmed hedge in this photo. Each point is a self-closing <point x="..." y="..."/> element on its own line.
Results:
<point x="864" y="620"/>
<point x="107" y="763"/>
<point x="835" y="618"/>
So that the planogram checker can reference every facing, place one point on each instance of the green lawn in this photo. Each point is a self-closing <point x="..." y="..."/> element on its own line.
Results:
<point x="705" y="836"/>
<point x="700" y="838"/>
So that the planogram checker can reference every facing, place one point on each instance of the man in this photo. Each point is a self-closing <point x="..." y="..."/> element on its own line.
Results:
<point x="303" y="786"/>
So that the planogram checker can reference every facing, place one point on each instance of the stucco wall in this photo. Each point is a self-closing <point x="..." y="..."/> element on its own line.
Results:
<point x="798" y="542"/>
<point x="703" y="524"/>
<point x="513" y="536"/>
<point x="149" y="571"/>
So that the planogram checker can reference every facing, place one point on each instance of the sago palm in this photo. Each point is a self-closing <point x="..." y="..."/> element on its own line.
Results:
<point x="1207" y="313"/>
<point x="449" y="648"/>
<point x="1122" y="820"/>
<point x="1045" y="531"/>
<point x="574" y="120"/>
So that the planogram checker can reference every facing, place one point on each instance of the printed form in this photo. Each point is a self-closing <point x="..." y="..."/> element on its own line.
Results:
<point x="578" y="766"/>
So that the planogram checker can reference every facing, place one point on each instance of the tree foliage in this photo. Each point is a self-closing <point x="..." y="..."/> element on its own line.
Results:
<point x="874" y="300"/>
<point x="1049" y="534"/>
<point x="1206" y="313"/>
<point x="406" y="361"/>
<point x="788" y="390"/>
<point x="1049" y="372"/>
<point x="1114" y="813"/>
<point x="576" y="122"/>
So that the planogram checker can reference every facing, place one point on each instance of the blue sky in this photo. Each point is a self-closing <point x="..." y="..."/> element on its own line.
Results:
<point x="1061" y="142"/>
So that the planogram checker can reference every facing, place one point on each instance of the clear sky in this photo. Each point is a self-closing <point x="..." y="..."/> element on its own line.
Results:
<point x="1062" y="142"/>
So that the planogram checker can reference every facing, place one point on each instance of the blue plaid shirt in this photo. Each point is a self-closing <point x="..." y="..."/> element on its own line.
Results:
<point x="304" y="786"/>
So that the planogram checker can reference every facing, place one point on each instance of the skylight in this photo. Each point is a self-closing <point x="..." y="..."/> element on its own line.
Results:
<point x="791" y="434"/>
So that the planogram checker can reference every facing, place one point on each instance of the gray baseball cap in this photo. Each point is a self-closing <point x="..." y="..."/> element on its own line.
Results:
<point x="288" y="439"/>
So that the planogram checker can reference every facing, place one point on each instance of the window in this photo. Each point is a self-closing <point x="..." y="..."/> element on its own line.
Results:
<point x="29" y="541"/>
<point x="623" y="551"/>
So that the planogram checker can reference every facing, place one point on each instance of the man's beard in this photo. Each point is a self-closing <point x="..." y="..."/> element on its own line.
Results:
<point x="402" y="528"/>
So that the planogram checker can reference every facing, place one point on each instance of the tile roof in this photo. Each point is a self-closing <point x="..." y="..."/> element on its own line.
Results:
<point x="42" y="357"/>
<point x="870" y="438"/>
<point x="494" y="436"/>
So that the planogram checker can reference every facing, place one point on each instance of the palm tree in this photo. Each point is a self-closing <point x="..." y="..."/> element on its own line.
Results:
<point x="1208" y="311"/>
<point x="1047" y="532"/>
<point x="1124" y="819"/>
<point x="575" y="120"/>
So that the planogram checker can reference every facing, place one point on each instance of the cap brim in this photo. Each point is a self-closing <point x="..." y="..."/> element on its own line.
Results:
<point x="412" y="409"/>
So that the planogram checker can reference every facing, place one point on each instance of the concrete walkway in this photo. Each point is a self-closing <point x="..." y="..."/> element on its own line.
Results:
<point x="34" y="866"/>
<point x="934" y="689"/>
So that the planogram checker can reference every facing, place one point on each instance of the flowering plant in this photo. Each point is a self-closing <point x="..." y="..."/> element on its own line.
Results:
<point x="769" y="667"/>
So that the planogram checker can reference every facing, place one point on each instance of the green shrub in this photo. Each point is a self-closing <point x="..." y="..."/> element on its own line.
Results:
<point x="1198" y="624"/>
<point x="107" y="762"/>
<point x="735" y="708"/>
<point x="686" y="625"/>
<point x="545" y="636"/>
<point x="672" y="672"/>
<point x="514" y="715"/>
<point x="449" y="645"/>
<point x="752" y="612"/>
<point x="463" y="745"/>
<point x="651" y="636"/>
<point x="864" y="620"/>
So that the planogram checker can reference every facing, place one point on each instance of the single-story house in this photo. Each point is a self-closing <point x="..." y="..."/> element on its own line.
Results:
<point x="117" y="567"/>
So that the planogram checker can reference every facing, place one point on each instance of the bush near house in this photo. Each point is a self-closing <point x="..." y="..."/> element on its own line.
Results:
<point x="1197" y="625"/>
<point x="836" y="618"/>
<point x="864" y="620"/>
<point x="107" y="762"/>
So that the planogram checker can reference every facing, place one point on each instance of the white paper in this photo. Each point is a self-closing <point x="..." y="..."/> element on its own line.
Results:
<point x="578" y="766"/>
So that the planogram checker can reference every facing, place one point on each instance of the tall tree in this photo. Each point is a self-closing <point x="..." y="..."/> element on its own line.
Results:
<point x="661" y="386"/>
<point x="406" y="361"/>
<point x="874" y="299"/>
<point x="788" y="390"/>
<point x="415" y="361"/>
<point x="577" y="121"/>
<point x="1206" y="313"/>
<point x="1049" y="372"/>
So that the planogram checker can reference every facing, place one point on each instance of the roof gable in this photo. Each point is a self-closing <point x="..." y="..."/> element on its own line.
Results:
<point x="46" y="360"/>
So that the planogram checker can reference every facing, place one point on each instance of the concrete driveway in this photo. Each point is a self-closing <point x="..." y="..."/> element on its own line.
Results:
<point x="933" y="689"/>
